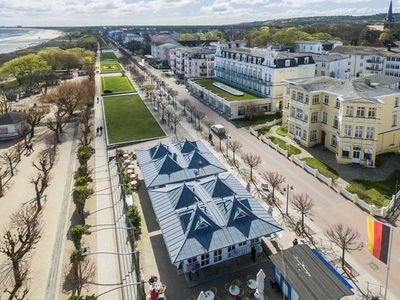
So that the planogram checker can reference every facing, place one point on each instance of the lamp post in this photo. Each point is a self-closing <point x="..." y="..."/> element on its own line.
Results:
<point x="287" y="189"/>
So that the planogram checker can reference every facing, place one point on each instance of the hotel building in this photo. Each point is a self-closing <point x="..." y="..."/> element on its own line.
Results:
<point x="356" y="119"/>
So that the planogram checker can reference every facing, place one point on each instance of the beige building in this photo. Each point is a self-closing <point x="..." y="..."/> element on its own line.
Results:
<point x="356" y="119"/>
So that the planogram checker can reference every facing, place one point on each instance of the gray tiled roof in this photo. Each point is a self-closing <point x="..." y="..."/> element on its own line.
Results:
<point x="309" y="275"/>
<point x="347" y="89"/>
<point x="12" y="118"/>
<point x="165" y="164"/>
<point x="208" y="214"/>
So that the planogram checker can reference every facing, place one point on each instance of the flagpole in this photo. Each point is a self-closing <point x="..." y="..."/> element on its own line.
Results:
<point x="388" y="262"/>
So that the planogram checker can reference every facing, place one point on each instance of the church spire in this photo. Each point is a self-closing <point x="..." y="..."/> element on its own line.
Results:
<point x="389" y="20"/>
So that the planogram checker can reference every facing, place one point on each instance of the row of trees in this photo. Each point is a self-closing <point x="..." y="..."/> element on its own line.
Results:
<point x="211" y="35"/>
<point x="287" y="36"/>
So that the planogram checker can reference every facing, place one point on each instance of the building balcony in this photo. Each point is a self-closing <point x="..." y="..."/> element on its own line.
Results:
<point x="374" y="69"/>
<point x="375" y="61"/>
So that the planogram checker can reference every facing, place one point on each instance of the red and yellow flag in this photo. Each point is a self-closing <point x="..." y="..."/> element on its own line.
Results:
<point x="378" y="239"/>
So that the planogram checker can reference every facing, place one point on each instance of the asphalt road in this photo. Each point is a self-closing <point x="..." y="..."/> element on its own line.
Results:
<point x="330" y="208"/>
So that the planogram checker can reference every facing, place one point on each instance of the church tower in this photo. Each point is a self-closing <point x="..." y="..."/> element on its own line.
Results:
<point x="389" y="20"/>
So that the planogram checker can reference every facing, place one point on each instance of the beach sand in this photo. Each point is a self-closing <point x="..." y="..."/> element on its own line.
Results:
<point x="31" y="38"/>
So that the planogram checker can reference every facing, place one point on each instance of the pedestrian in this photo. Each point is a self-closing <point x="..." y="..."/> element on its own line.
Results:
<point x="31" y="147"/>
<point x="253" y="253"/>
<point x="295" y="242"/>
<point x="101" y="130"/>
<point x="26" y="149"/>
<point x="98" y="98"/>
<point x="97" y="131"/>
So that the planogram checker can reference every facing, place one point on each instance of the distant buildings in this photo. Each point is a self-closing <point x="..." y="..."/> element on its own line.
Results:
<point x="161" y="46"/>
<point x="194" y="62"/>
<point x="206" y="218"/>
<point x="356" y="119"/>
<point x="333" y="64"/>
<point x="389" y="20"/>
<point x="317" y="46"/>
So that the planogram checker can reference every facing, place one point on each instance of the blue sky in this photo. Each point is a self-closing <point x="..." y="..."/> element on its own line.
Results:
<point x="175" y="12"/>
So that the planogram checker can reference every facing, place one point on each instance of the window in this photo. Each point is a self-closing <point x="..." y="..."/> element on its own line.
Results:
<point x="394" y="120"/>
<point x="205" y="259"/>
<point x="349" y="111"/>
<point x="371" y="112"/>
<point x="307" y="99"/>
<point x="313" y="135"/>
<point x="396" y="102"/>
<point x="324" y="117"/>
<point x="360" y="112"/>
<point x="267" y="107"/>
<point x="300" y="97"/>
<point x="241" y="244"/>
<point x="254" y="241"/>
<point x="326" y="99"/>
<point x="294" y="96"/>
<point x="335" y="122"/>
<point x="299" y="113"/>
<point x="218" y="255"/>
<point x="192" y="260"/>
<point x="315" y="99"/>
<point x="304" y="137"/>
<point x="370" y="133"/>
<point x="287" y="63"/>
<point x="306" y="60"/>
<point x="230" y="249"/>
<point x="346" y="152"/>
<point x="241" y="111"/>
<point x="337" y="103"/>
<point x="358" y="132"/>
<point x="314" y="117"/>
<point x="347" y="130"/>
<point x="334" y="141"/>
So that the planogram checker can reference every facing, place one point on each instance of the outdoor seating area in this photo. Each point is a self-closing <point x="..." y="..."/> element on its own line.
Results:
<point x="128" y="170"/>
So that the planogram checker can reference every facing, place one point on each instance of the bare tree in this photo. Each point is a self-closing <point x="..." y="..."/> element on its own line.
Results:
<point x="19" y="239"/>
<point x="86" y="136"/>
<point x="19" y="148"/>
<point x="252" y="160"/>
<point x="346" y="238"/>
<point x="209" y="124"/>
<point x="34" y="116"/>
<point x="191" y="109"/>
<point x="274" y="179"/>
<point x="81" y="272"/>
<point x="40" y="184"/>
<point x="235" y="147"/>
<point x="303" y="204"/>
<point x="56" y="124"/>
<point x="184" y="103"/>
<point x="175" y="119"/>
<point x="46" y="162"/>
<point x="9" y="158"/>
<point x="23" y="132"/>
<point x="163" y="106"/>
<point x="173" y="94"/>
<point x="3" y="174"/>
<point x="199" y="116"/>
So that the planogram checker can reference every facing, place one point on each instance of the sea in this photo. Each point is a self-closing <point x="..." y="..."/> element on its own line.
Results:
<point x="16" y="38"/>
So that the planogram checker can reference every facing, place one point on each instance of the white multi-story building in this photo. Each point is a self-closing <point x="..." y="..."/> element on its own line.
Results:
<point x="370" y="60"/>
<point x="261" y="71"/>
<point x="332" y="64"/>
<point x="195" y="62"/>
<point x="317" y="46"/>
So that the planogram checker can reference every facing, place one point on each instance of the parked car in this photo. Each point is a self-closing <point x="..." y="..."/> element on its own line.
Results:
<point x="218" y="130"/>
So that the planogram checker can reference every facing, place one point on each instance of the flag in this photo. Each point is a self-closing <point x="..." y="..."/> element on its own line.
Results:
<point x="378" y="239"/>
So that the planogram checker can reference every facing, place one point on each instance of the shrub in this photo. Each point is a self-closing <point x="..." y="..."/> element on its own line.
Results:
<point x="263" y="130"/>
<point x="133" y="215"/>
<point x="107" y="92"/>
<point x="88" y="297"/>
<point x="83" y="171"/>
<point x="84" y="154"/>
<point x="76" y="234"/>
<point x="83" y="180"/>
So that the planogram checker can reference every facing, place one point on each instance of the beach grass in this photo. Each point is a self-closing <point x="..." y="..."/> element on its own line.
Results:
<point x="128" y="119"/>
<point x="208" y="84"/>
<point x="116" y="84"/>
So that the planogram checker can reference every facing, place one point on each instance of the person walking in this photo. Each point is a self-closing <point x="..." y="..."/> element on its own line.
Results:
<point x="97" y="131"/>
<point x="295" y="242"/>
<point x="101" y="130"/>
<point x="31" y="147"/>
<point x="98" y="98"/>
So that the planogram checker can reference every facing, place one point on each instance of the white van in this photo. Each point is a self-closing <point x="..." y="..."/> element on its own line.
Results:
<point x="218" y="129"/>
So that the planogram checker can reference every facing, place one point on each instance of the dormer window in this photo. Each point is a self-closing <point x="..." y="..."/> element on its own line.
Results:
<point x="306" y="60"/>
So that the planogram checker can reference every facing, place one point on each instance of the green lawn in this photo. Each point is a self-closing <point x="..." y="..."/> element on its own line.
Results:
<point x="323" y="168"/>
<point x="102" y="43"/>
<point x="254" y="121"/>
<point x="116" y="84"/>
<point x="374" y="192"/>
<point x="108" y="55"/>
<point x="128" y="119"/>
<point x="110" y="66"/>
<point x="208" y="84"/>
<point x="282" y="131"/>
<point x="292" y="150"/>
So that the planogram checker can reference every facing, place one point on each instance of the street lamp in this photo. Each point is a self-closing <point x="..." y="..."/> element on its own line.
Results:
<point x="287" y="189"/>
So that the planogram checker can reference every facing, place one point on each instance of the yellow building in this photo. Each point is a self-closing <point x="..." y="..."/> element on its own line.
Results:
<point x="355" y="118"/>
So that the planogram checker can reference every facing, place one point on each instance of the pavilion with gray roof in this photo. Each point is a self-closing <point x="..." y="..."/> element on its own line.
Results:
<point x="184" y="161"/>
<point x="210" y="220"/>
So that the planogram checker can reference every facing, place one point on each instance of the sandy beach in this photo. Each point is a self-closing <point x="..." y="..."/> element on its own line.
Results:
<point x="31" y="38"/>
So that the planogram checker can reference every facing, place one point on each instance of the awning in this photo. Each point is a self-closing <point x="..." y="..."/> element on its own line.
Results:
<point x="346" y="148"/>
<point x="368" y="151"/>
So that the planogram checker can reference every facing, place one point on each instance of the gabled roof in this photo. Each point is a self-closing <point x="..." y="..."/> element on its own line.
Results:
<point x="310" y="275"/>
<point x="12" y="117"/>
<point x="184" y="161"/>
<point x="194" y="220"/>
